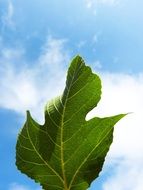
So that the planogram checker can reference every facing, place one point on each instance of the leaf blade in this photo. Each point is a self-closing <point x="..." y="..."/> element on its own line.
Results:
<point x="67" y="152"/>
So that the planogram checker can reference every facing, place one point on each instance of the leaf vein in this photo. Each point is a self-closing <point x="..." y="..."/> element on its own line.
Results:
<point x="88" y="157"/>
<point x="41" y="156"/>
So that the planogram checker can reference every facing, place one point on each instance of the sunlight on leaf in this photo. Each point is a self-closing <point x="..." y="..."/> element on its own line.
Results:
<point x="67" y="152"/>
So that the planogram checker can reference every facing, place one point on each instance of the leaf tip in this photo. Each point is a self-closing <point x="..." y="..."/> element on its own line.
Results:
<point x="28" y="113"/>
<point x="78" y="58"/>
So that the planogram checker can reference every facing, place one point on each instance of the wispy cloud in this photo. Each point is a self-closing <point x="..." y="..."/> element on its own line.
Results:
<point x="7" y="18"/>
<point x="109" y="2"/>
<point x="27" y="87"/>
<point x="127" y="176"/>
<point x="97" y="65"/>
<point x="89" y="3"/>
<point x="92" y="4"/>
<point x="16" y="186"/>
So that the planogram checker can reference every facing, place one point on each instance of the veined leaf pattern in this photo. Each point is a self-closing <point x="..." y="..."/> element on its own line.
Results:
<point x="67" y="152"/>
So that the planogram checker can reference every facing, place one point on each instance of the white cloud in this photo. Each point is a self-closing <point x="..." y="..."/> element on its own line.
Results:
<point x="97" y="64"/>
<point x="108" y="2"/>
<point x="95" y="38"/>
<point x="81" y="44"/>
<point x="92" y="4"/>
<point x="54" y="56"/>
<point x="89" y="3"/>
<point x="25" y="88"/>
<point x="16" y="186"/>
<point x="122" y="94"/>
<point x="127" y="176"/>
<point x="7" y="18"/>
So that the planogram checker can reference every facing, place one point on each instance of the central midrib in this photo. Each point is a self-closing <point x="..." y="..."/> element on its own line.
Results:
<point x="62" y="128"/>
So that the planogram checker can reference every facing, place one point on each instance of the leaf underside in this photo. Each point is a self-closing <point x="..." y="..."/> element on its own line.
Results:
<point x="67" y="152"/>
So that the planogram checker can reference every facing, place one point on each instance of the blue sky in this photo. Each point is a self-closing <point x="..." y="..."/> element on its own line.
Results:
<point x="37" y="40"/>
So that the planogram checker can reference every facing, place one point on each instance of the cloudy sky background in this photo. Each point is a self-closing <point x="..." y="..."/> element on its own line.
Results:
<point x="38" y="38"/>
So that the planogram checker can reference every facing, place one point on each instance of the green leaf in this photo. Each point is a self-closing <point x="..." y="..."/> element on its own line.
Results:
<point x="67" y="152"/>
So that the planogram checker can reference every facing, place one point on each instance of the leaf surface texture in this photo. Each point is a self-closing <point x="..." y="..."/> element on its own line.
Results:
<point x="67" y="152"/>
